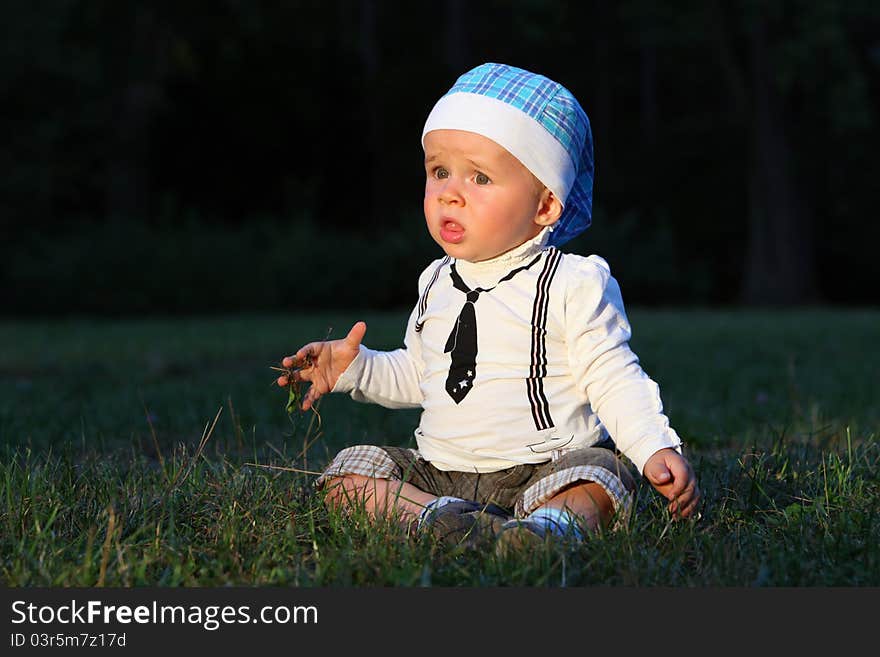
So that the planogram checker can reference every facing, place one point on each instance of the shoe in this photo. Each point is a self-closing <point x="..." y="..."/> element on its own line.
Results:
<point x="465" y="523"/>
<point x="519" y="536"/>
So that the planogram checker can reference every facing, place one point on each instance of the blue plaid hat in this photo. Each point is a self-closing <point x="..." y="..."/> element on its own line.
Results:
<point x="539" y="122"/>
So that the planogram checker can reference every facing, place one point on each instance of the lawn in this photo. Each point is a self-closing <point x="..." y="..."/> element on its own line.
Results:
<point x="159" y="452"/>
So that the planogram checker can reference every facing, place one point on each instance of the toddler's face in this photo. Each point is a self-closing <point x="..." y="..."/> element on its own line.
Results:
<point x="480" y="201"/>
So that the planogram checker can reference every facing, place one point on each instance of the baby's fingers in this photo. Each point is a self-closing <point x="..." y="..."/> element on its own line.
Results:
<point x="294" y="376"/>
<point x="690" y="511"/>
<point x="684" y="503"/>
<point x="312" y="395"/>
<point x="304" y="357"/>
<point x="299" y="359"/>
<point x="681" y="509"/>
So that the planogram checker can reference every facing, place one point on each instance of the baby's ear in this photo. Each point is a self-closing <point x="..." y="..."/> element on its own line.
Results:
<point x="549" y="209"/>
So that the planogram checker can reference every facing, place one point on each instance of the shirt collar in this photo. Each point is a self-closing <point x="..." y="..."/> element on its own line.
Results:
<point x="487" y="272"/>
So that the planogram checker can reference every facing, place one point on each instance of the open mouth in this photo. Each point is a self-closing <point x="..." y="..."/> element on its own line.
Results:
<point x="451" y="232"/>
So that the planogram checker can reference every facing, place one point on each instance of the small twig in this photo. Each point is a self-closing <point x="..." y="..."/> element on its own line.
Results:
<point x="187" y="467"/>
<point x="279" y="467"/>
<point x="105" y="550"/>
<point x="155" y="438"/>
<point x="206" y="435"/>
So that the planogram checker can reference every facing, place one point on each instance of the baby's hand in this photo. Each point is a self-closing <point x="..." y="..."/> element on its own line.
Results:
<point x="322" y="363"/>
<point x="672" y="476"/>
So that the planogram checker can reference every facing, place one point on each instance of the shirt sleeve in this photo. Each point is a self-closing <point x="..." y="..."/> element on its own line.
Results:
<point x="389" y="378"/>
<point x="626" y="400"/>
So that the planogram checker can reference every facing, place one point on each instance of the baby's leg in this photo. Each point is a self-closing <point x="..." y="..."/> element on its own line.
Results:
<point x="587" y="501"/>
<point x="378" y="497"/>
<point x="396" y="483"/>
<point x="580" y="493"/>
<point x="376" y="479"/>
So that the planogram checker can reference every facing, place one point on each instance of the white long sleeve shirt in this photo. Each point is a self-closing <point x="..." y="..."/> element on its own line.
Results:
<point x="554" y="370"/>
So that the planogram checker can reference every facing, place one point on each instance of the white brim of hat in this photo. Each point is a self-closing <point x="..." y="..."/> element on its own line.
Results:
<point x="514" y="130"/>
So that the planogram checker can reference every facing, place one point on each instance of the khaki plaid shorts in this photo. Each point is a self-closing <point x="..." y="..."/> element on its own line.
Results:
<point x="520" y="489"/>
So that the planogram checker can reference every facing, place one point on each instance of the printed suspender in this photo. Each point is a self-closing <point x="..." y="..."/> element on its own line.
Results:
<point x="538" y="370"/>
<point x="423" y="301"/>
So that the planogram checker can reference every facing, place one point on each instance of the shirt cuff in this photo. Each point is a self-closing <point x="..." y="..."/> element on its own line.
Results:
<point x="640" y="454"/>
<point x="349" y="379"/>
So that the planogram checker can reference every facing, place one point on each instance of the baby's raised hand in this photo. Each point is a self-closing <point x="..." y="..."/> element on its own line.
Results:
<point x="322" y="363"/>
<point x="674" y="478"/>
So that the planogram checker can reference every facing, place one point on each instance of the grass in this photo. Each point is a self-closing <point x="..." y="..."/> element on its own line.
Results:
<point x="158" y="452"/>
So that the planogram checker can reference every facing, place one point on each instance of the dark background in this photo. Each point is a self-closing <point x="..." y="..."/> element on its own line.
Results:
<point x="182" y="157"/>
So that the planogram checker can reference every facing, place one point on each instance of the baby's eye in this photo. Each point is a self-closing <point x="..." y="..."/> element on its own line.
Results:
<point x="481" y="179"/>
<point x="441" y="172"/>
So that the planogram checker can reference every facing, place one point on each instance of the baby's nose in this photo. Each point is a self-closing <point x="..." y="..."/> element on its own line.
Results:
<point x="450" y="192"/>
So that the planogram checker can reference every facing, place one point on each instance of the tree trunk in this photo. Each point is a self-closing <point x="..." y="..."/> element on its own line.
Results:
<point x="778" y="264"/>
<point x="602" y="135"/>
<point x="455" y="37"/>
<point x="128" y="176"/>
<point x="649" y="112"/>
<point x="370" y="59"/>
<point x="779" y="267"/>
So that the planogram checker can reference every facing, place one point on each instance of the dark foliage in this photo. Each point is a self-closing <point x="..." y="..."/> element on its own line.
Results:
<point x="735" y="145"/>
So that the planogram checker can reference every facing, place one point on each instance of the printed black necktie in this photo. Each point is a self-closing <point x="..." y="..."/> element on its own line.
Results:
<point x="462" y="343"/>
